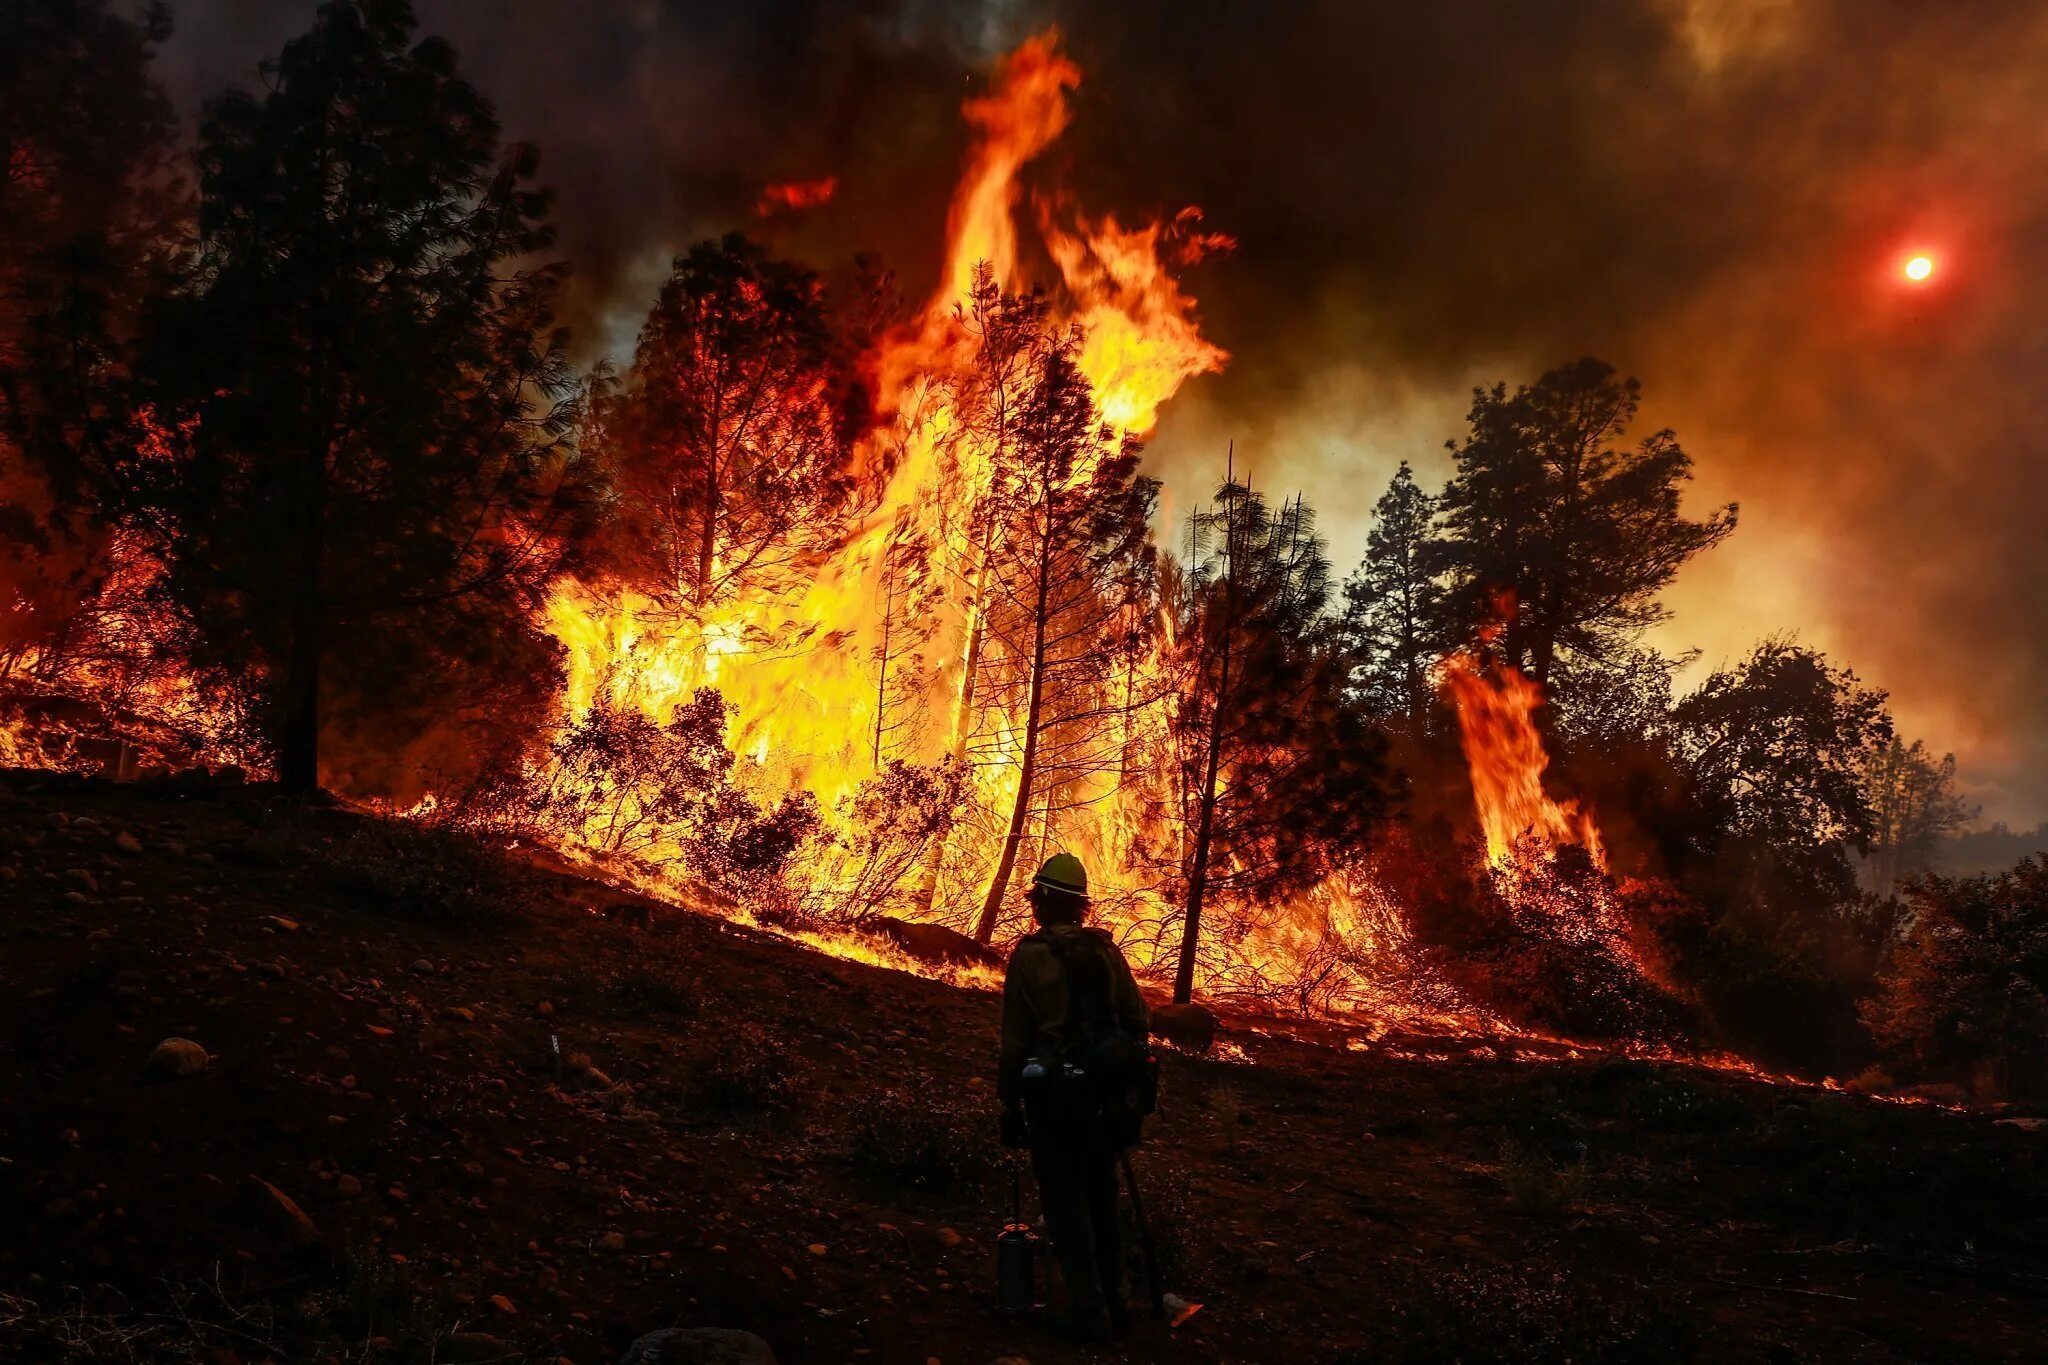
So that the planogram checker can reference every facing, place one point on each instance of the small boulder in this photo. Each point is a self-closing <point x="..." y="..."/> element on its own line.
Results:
<point x="288" y="1214"/>
<point x="176" y="1057"/>
<point x="1191" y="1028"/>
<point x="128" y="843"/>
<point x="2028" y="1125"/>
<point x="698" y="1346"/>
<point x="474" y="1346"/>
<point x="934" y="942"/>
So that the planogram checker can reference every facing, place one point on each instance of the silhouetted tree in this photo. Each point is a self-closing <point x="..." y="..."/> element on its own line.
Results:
<point x="1777" y="747"/>
<point x="1554" y="530"/>
<point x="1966" y="997"/>
<point x="89" y="217"/>
<point x="1777" y="942"/>
<point x="362" y="404"/>
<point x="1914" y="805"/>
<point x="1394" y="605"/>
<point x="1279" y="780"/>
<point x="1066" y="511"/>
<point x="729" y="440"/>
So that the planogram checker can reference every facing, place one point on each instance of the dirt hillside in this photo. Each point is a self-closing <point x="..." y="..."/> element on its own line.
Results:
<point x="453" y="1107"/>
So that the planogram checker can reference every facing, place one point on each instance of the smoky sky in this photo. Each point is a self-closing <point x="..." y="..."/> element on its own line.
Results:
<point x="1714" y="195"/>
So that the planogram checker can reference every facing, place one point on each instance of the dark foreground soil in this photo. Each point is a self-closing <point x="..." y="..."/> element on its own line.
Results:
<point x="513" y="1128"/>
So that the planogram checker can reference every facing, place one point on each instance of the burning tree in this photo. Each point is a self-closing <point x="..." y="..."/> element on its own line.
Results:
<point x="1065" y="511"/>
<point x="362" y="405"/>
<point x="1277" y="780"/>
<point x="729" y="443"/>
<point x="89" y="214"/>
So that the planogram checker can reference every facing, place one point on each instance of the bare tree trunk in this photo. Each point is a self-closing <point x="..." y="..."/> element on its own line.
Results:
<point x="707" y="543"/>
<point x="1212" y="763"/>
<point x="882" y="679"/>
<point x="1198" y="865"/>
<point x="299" y="736"/>
<point x="927" y="894"/>
<point x="1027" y="770"/>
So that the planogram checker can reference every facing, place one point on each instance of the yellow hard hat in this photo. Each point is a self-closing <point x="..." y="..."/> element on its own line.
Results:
<point x="1063" y="872"/>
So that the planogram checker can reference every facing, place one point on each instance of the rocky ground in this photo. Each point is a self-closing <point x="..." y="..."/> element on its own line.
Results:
<point x="434" y="1106"/>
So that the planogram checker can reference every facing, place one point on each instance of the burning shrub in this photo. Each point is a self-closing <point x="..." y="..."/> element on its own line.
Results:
<point x="1967" y="994"/>
<point x="926" y="1143"/>
<point x="1546" y="942"/>
<point x="892" y="825"/>
<point x="620" y="783"/>
<point x="431" y="872"/>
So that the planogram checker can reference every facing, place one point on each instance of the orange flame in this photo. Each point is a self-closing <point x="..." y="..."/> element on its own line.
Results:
<point x="797" y="665"/>
<point x="796" y="195"/>
<point x="1504" y="751"/>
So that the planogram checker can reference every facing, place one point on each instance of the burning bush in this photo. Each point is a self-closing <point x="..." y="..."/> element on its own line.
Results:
<point x="1966" y="998"/>
<point x="886" y="831"/>
<point x="620" y="783"/>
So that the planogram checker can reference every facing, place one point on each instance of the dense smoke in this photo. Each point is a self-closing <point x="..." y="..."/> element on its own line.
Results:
<point x="1713" y="194"/>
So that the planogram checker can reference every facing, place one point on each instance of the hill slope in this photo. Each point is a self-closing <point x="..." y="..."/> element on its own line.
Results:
<point x="450" y="1112"/>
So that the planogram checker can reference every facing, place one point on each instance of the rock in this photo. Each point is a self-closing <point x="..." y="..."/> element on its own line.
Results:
<point x="2024" y="1125"/>
<point x="698" y="1346"/>
<point x="347" y="1186"/>
<point x="474" y="1346"/>
<point x="293" y="1218"/>
<point x="175" y="1057"/>
<point x="504" y="1305"/>
<point x="84" y="878"/>
<point x="421" y="967"/>
<point x="949" y="1238"/>
<point x="934" y="942"/>
<point x="613" y="1242"/>
<point x="1191" y="1028"/>
<point x="128" y="844"/>
<point x="467" y="1016"/>
<point x="289" y="926"/>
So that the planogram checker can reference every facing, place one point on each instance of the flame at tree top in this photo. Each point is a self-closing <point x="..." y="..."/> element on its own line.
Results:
<point x="805" y="666"/>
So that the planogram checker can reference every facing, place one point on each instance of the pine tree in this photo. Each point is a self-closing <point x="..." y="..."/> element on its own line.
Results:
<point x="1556" y="532"/>
<point x="1394" y="606"/>
<point x="1066" y="513"/>
<point x="1278" y="777"/>
<point x="729" y="442"/>
<point x="363" y="403"/>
